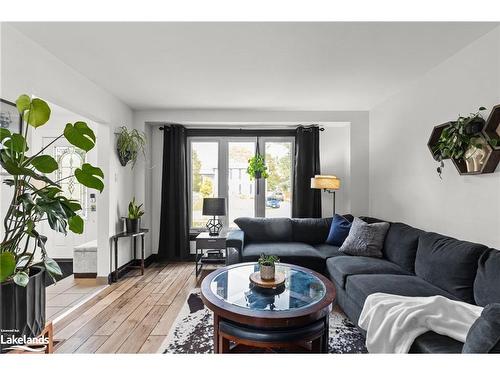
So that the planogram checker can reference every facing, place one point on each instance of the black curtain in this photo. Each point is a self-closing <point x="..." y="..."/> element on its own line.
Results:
<point x="306" y="202"/>
<point x="174" y="219"/>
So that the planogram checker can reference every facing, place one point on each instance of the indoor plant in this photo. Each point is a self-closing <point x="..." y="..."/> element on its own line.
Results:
<point x="257" y="167"/>
<point x="458" y="137"/>
<point x="129" y="144"/>
<point x="267" y="266"/>
<point x="35" y="198"/>
<point x="133" y="220"/>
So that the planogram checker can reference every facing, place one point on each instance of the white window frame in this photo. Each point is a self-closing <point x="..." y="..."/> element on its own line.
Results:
<point x="223" y="170"/>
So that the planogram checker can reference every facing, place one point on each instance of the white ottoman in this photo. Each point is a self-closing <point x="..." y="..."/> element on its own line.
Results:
<point x="85" y="260"/>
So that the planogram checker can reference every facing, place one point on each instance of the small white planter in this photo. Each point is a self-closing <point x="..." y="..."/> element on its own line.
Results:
<point x="267" y="272"/>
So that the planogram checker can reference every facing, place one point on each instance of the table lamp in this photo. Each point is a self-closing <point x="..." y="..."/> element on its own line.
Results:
<point x="326" y="183"/>
<point x="214" y="207"/>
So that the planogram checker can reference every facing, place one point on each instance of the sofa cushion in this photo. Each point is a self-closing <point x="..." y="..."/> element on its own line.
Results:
<point x="487" y="282"/>
<point x="311" y="231"/>
<point x="327" y="251"/>
<point x="298" y="253"/>
<point x="365" y="239"/>
<point x="401" y="244"/>
<point x="340" y="268"/>
<point x="448" y="263"/>
<point x="432" y="342"/>
<point x="484" y="335"/>
<point x="265" y="229"/>
<point x="339" y="230"/>
<point x="358" y="287"/>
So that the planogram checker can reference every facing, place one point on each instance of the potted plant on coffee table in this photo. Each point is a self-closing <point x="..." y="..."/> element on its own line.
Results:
<point x="267" y="265"/>
<point x="35" y="198"/>
<point x="133" y="220"/>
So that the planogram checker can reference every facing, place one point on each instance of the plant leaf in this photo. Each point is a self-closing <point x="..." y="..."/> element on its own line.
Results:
<point x="91" y="177"/>
<point x="38" y="113"/>
<point x="14" y="169"/>
<point x="44" y="163"/>
<point x="7" y="265"/>
<point x="4" y="133"/>
<point x="23" y="103"/>
<point x="76" y="224"/>
<point x="80" y="135"/>
<point x="21" y="279"/>
<point x="16" y="143"/>
<point x="52" y="267"/>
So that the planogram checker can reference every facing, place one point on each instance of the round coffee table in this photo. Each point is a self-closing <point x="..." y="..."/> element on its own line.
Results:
<point x="291" y="317"/>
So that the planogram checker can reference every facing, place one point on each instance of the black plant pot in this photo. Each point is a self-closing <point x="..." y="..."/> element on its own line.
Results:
<point x="124" y="159"/>
<point x="475" y="126"/>
<point x="22" y="309"/>
<point x="258" y="175"/>
<point x="132" y="225"/>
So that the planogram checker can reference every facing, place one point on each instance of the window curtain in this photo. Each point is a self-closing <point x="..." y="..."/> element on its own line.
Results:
<point x="174" y="219"/>
<point x="306" y="202"/>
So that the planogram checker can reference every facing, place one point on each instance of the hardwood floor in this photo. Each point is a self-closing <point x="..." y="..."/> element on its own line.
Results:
<point x="131" y="316"/>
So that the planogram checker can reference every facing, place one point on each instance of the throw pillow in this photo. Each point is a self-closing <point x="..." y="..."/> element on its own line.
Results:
<point x="365" y="239"/>
<point x="484" y="334"/>
<point x="339" y="230"/>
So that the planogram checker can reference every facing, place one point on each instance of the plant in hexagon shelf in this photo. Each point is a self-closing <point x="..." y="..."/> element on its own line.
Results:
<point x="24" y="259"/>
<point x="460" y="140"/>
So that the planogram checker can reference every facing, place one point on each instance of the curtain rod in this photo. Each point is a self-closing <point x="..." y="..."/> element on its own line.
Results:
<point x="242" y="130"/>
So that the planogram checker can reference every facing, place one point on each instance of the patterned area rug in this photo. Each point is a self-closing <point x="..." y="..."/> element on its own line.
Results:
<point x="192" y="331"/>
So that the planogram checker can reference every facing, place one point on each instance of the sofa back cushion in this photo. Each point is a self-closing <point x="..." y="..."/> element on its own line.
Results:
<point x="448" y="263"/>
<point x="311" y="231"/>
<point x="401" y="244"/>
<point x="487" y="283"/>
<point x="265" y="229"/>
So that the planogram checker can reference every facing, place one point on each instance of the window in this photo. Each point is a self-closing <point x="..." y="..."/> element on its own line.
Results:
<point x="218" y="169"/>
<point x="204" y="178"/>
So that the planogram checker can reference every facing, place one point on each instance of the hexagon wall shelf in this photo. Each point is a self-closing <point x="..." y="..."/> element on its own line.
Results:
<point x="492" y="128"/>
<point x="488" y="166"/>
<point x="433" y="139"/>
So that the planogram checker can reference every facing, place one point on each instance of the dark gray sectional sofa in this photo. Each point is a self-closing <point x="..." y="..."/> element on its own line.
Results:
<point x="414" y="263"/>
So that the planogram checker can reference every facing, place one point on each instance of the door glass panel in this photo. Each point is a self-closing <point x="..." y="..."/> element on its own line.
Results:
<point x="204" y="178"/>
<point x="241" y="189"/>
<point x="69" y="158"/>
<point x="278" y="157"/>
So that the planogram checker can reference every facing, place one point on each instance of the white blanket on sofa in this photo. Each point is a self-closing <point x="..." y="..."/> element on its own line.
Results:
<point x="393" y="322"/>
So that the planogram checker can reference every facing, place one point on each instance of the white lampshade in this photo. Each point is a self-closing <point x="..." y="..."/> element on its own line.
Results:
<point x="325" y="182"/>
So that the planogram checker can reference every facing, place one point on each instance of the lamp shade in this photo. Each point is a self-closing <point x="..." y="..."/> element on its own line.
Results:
<point x="214" y="206"/>
<point x="325" y="182"/>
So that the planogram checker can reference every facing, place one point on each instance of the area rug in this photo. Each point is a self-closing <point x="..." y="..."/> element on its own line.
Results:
<point x="192" y="331"/>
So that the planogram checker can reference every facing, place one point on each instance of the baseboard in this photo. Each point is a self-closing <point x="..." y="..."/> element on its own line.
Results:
<point x="122" y="270"/>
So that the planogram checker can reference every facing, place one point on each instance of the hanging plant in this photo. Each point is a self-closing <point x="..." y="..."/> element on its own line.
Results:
<point x="257" y="167"/>
<point x="129" y="144"/>
<point x="458" y="137"/>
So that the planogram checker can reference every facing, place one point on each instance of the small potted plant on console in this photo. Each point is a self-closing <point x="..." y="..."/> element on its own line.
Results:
<point x="133" y="221"/>
<point x="267" y="266"/>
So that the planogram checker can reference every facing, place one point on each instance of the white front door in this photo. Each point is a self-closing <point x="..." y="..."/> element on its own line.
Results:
<point x="69" y="158"/>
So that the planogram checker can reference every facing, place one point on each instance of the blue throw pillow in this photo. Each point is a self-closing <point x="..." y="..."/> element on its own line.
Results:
<point x="339" y="230"/>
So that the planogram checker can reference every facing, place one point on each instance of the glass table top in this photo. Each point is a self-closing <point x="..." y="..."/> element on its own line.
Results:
<point x="301" y="289"/>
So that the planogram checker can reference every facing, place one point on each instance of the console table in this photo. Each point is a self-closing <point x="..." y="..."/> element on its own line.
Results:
<point x="115" y="238"/>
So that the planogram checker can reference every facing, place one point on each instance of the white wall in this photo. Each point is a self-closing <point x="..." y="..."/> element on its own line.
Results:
<point x="344" y="151"/>
<point x="28" y="68"/>
<point x="404" y="185"/>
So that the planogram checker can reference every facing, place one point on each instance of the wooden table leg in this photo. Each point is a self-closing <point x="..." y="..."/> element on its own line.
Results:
<point x="326" y="335"/>
<point x="216" y="334"/>
<point x="142" y="254"/>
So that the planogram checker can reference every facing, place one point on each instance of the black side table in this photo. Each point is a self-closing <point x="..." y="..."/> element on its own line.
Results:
<point x="115" y="238"/>
<point x="204" y="241"/>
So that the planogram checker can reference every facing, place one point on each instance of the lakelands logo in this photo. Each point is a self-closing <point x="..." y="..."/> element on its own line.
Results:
<point x="12" y="341"/>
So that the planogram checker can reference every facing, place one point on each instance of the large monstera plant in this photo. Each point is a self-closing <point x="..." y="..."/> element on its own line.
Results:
<point x="35" y="197"/>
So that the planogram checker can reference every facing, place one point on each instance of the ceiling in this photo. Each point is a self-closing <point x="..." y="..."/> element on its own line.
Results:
<point x="286" y="66"/>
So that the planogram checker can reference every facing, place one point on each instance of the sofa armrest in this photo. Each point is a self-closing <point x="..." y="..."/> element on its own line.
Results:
<point x="236" y="239"/>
